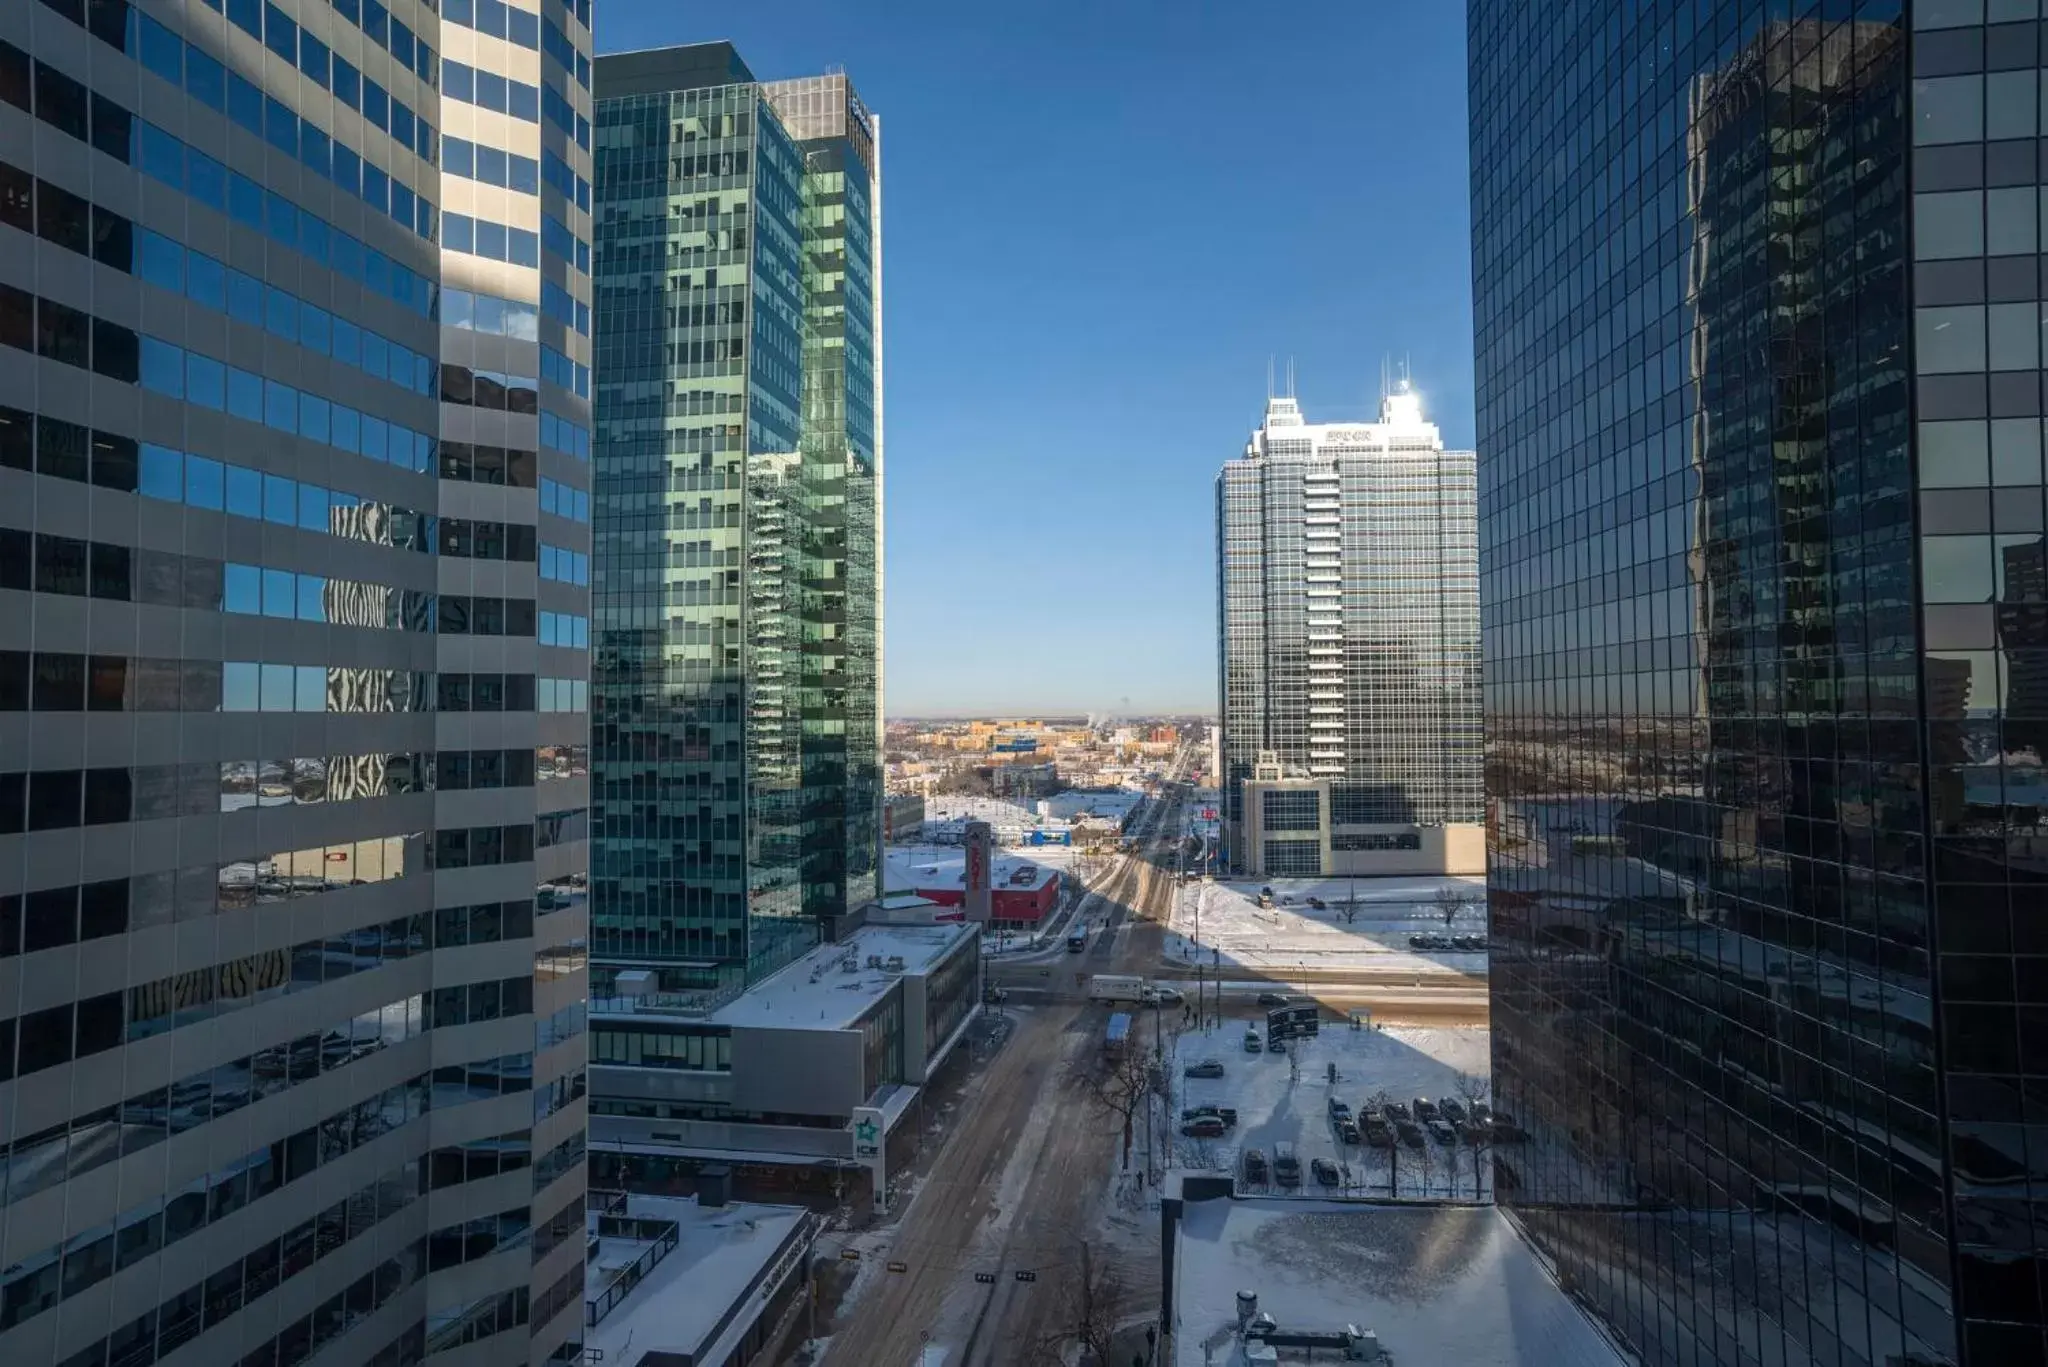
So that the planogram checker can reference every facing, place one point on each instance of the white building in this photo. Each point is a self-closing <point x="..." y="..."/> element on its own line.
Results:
<point x="1348" y="577"/>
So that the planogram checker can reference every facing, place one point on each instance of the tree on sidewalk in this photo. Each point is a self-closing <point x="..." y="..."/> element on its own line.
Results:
<point x="1118" y="1084"/>
<point x="1092" y="1295"/>
<point x="1450" y="902"/>
<point x="1473" y="1089"/>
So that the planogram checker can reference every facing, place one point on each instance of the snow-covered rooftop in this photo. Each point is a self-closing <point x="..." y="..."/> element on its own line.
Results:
<point x="677" y="1306"/>
<point x="933" y="867"/>
<point x="1444" y="1284"/>
<point x="817" y="992"/>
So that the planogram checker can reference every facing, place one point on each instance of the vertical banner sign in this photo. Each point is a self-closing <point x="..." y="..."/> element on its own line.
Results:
<point x="870" y="1144"/>
<point x="981" y="843"/>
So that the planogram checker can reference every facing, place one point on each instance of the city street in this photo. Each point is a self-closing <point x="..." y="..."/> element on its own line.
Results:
<point x="1021" y="1182"/>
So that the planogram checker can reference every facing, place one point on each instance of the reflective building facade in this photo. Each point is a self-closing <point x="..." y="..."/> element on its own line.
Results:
<point x="737" y="699"/>
<point x="1759" y="413"/>
<point x="294" y="453"/>
<point x="1348" y="647"/>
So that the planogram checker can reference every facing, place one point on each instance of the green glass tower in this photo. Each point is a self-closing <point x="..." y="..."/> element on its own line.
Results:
<point x="737" y="586"/>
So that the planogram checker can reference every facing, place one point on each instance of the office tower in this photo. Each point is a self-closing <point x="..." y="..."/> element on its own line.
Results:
<point x="1348" y="650"/>
<point x="1759" y="401"/>
<point x="736" y="710"/>
<point x="293" y="527"/>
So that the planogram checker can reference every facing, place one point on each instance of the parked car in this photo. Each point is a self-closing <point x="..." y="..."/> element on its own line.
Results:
<point x="1226" y="1114"/>
<point x="1316" y="903"/>
<point x="1204" y="1127"/>
<point x="1429" y="940"/>
<point x="1475" y="1134"/>
<point x="1482" y="1114"/>
<point x="1252" y="1043"/>
<point x="1286" y="1167"/>
<point x="1273" y="999"/>
<point x="1254" y="1166"/>
<point x="1208" y="1067"/>
<point x="1425" y="1109"/>
<point x="1338" y="1108"/>
<point x="1442" y="1133"/>
<point x="1505" y="1130"/>
<point x="1276" y="1045"/>
<point x="1469" y="943"/>
<point x="1325" y="1172"/>
<point x="1395" y="1111"/>
<point x="1347" y="1130"/>
<point x="1452" y="1111"/>
<point x="1378" y="1133"/>
<point x="1167" y="996"/>
<point x="1410" y="1132"/>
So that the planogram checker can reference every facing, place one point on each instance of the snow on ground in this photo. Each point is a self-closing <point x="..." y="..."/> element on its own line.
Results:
<point x="1276" y="1104"/>
<point x="1454" y="1285"/>
<point x="1223" y="923"/>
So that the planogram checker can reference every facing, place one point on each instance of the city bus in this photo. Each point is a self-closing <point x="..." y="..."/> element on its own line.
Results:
<point x="1117" y="1037"/>
<point x="1077" y="940"/>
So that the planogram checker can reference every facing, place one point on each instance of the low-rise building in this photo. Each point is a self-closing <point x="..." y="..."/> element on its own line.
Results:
<point x="902" y="818"/>
<point x="693" y="1281"/>
<point x="1290" y="830"/>
<point x="801" y="1080"/>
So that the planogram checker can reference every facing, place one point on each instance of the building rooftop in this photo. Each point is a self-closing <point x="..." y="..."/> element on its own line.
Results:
<point x="1449" y="1284"/>
<point x="681" y="1304"/>
<point x="818" y="992"/>
<point x="928" y="868"/>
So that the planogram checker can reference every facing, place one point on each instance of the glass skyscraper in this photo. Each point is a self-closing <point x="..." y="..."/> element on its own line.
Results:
<point x="1348" y="647"/>
<point x="294" y="536"/>
<point x="736" y="708"/>
<point x="1760" y="419"/>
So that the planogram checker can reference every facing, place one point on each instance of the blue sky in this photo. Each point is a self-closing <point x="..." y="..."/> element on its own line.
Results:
<point x="1100" y="220"/>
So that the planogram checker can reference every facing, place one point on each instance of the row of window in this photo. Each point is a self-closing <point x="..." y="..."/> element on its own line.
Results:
<point x="170" y="266"/>
<point x="61" y="681"/>
<point x="654" y="1048"/>
<point x="489" y="314"/>
<point x="243" y="200"/>
<point x="565" y="827"/>
<point x="496" y="390"/>
<point x="489" y="90"/>
<point x="1377" y="840"/>
<point x="572" y="187"/>
<point x="257" y="591"/>
<point x="562" y="114"/>
<point x="48" y="1278"/>
<point x="567" y="629"/>
<point x="470" y="1003"/>
<point x="483" y="615"/>
<point x="558" y="240"/>
<point x="289" y="874"/>
<point x="491" y="165"/>
<point x="70" y="1149"/>
<point x="566" y="435"/>
<point x="191" y="68"/>
<point x="562" y="306"/>
<point x="566" y="372"/>
<point x="565" y="501"/>
<point x="60" y="799"/>
<point x="480" y="464"/>
<point x="476" y="847"/>
<point x="561" y="695"/>
<point x="564" y="566"/>
<point x="471" y="539"/>
<point x="200" y="380"/>
<point x="162" y="156"/>
<point x="450" y="1327"/>
<point x="496" y="241"/>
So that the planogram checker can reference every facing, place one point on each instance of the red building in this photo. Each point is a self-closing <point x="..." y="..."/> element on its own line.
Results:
<point x="1023" y="895"/>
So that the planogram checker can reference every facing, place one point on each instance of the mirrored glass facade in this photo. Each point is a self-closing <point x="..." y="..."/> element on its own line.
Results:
<point x="294" y="542"/>
<point x="737" y="701"/>
<point x="1759" y="414"/>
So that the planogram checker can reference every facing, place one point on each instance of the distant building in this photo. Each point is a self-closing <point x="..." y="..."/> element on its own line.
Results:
<point x="1348" y="647"/>
<point x="902" y="818"/>
<point x="1024" y="780"/>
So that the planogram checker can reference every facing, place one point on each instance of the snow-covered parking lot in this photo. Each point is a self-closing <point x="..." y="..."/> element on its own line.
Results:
<point x="1223" y="925"/>
<point x="1284" y="1098"/>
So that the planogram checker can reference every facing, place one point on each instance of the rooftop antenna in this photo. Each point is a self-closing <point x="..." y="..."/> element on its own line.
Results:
<point x="1269" y="378"/>
<point x="1290" y="378"/>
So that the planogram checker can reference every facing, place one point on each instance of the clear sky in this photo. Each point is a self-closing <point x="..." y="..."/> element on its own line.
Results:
<point x="1100" y="219"/>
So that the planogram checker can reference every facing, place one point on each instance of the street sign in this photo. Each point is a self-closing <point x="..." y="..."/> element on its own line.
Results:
<point x="985" y="1278"/>
<point x="1027" y="1276"/>
<point x="851" y="1255"/>
<point x="899" y="1267"/>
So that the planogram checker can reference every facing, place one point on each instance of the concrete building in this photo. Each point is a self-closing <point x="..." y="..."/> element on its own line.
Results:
<point x="902" y="818"/>
<point x="783" y="1081"/>
<point x="737" y="703"/>
<point x="701" y="1281"/>
<point x="1348" y="646"/>
<point x="294" y="454"/>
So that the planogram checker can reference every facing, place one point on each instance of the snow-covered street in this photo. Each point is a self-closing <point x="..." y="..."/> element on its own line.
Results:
<point x="1222" y="925"/>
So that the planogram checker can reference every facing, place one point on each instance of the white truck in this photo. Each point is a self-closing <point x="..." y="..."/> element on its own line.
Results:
<point x="1118" y="987"/>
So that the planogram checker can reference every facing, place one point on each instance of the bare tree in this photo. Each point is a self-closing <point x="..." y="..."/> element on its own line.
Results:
<point x="1092" y="1298"/>
<point x="1449" y="902"/>
<point x="1473" y="1089"/>
<point x="1118" y="1083"/>
<point x="1376" y="1105"/>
